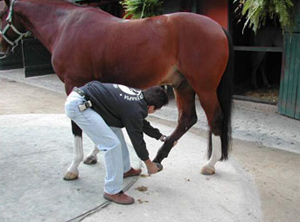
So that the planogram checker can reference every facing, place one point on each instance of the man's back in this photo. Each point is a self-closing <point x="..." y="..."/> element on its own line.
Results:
<point x="117" y="104"/>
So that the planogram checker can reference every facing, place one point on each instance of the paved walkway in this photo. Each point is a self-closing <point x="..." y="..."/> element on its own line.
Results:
<point x="34" y="161"/>
<point x="36" y="149"/>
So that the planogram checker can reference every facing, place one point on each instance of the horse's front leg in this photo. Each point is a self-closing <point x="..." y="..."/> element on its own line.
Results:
<point x="72" y="172"/>
<point x="187" y="117"/>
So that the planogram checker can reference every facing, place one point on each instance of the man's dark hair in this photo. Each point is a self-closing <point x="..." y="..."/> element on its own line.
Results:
<point x="156" y="96"/>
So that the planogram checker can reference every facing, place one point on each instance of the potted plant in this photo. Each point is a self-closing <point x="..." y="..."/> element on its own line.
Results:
<point x="258" y="11"/>
<point x="142" y="8"/>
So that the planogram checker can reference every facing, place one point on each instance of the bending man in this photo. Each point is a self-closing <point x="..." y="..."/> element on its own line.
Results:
<point x="101" y="110"/>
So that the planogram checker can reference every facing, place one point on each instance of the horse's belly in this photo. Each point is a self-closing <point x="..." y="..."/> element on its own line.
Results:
<point x="138" y="76"/>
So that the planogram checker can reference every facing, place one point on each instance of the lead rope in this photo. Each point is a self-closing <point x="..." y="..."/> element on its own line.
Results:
<point x="101" y="206"/>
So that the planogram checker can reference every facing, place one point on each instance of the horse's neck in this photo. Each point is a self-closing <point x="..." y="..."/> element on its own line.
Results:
<point x="45" y="18"/>
<point x="40" y="19"/>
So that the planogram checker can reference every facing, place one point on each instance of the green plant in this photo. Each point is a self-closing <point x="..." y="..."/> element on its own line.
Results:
<point x="258" y="11"/>
<point x="142" y="8"/>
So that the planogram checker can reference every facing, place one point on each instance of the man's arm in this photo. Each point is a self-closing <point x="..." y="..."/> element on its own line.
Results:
<point x="134" y="128"/>
<point x="152" y="132"/>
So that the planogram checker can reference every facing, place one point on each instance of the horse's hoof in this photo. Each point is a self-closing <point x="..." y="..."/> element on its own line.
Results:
<point x="71" y="176"/>
<point x="160" y="166"/>
<point x="208" y="170"/>
<point x="90" y="160"/>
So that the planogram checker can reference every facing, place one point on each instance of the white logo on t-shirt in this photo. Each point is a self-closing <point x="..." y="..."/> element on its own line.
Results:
<point x="131" y="94"/>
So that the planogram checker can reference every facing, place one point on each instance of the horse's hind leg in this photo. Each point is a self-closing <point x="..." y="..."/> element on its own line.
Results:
<point x="264" y="76"/>
<point x="216" y="153"/>
<point x="72" y="172"/>
<point x="258" y="60"/>
<point x="210" y="104"/>
<point x="92" y="157"/>
<point x="187" y="117"/>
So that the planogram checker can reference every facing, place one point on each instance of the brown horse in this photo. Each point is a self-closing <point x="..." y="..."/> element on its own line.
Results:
<point x="190" y="52"/>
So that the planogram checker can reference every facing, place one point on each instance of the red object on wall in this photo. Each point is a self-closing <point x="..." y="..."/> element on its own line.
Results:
<point x="217" y="10"/>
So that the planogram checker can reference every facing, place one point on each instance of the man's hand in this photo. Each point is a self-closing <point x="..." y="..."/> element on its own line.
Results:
<point x="151" y="167"/>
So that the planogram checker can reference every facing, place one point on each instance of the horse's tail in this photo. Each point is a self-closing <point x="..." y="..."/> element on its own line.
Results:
<point x="224" y="93"/>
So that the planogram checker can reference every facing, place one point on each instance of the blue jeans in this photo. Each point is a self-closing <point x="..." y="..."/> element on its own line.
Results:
<point x="109" y="140"/>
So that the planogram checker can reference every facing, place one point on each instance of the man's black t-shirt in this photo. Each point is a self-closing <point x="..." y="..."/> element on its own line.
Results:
<point x="121" y="106"/>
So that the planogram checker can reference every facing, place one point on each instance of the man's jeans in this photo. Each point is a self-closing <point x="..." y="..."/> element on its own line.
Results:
<point x="109" y="140"/>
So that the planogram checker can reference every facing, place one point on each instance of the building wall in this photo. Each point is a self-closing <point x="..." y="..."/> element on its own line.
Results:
<point x="215" y="9"/>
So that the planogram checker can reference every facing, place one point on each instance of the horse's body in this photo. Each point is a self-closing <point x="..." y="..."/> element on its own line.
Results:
<point x="268" y="36"/>
<point x="188" y="51"/>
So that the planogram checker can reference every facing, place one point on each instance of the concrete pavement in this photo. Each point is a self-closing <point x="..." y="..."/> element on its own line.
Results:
<point x="177" y="193"/>
<point x="36" y="153"/>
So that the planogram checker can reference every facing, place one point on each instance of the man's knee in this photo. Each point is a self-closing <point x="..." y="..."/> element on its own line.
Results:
<point x="70" y="110"/>
<point x="113" y="143"/>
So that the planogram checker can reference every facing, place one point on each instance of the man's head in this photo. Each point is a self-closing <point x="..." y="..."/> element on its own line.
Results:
<point x="155" y="97"/>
